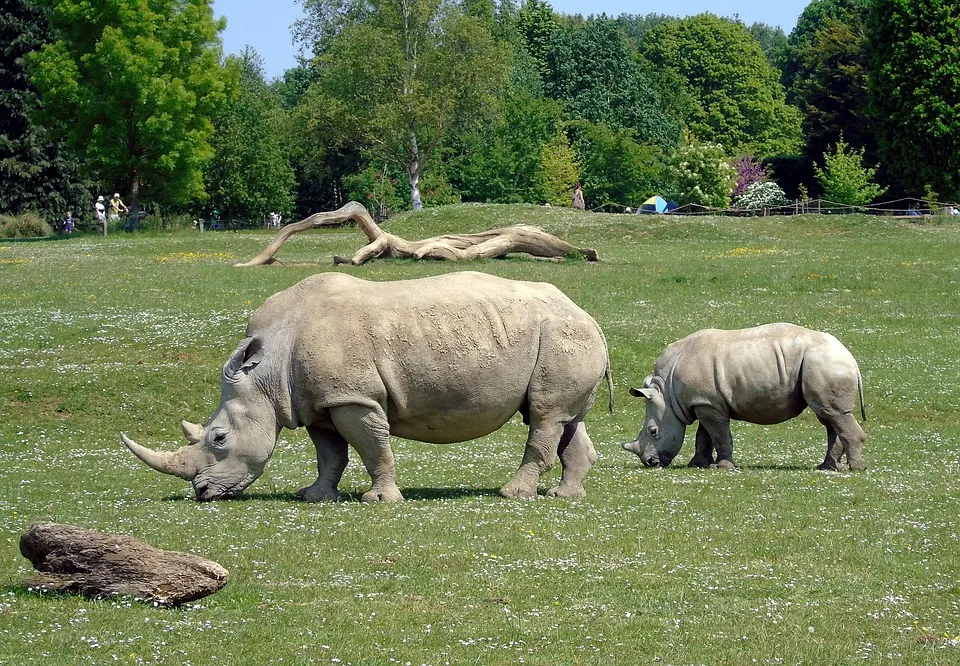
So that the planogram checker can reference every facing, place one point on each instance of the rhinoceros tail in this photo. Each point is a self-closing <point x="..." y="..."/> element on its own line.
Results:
<point x="863" y="409"/>
<point x="609" y="376"/>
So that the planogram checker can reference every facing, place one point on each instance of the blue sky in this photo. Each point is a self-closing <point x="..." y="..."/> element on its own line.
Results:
<point x="266" y="26"/>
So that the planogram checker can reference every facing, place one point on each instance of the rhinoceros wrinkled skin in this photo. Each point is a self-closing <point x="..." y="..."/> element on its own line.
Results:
<point x="440" y="359"/>
<point x="766" y="374"/>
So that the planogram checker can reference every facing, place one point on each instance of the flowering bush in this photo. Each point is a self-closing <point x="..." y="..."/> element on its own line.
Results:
<point x="699" y="173"/>
<point x="749" y="171"/>
<point x="762" y="195"/>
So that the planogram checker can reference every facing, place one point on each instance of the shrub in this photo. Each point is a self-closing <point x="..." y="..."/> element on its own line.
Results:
<point x="699" y="174"/>
<point x="749" y="171"/>
<point x="844" y="178"/>
<point x="762" y="195"/>
<point x="25" y="225"/>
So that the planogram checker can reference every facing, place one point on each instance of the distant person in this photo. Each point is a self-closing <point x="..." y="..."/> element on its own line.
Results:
<point x="578" y="202"/>
<point x="950" y="210"/>
<point x="100" y="211"/>
<point x="115" y="206"/>
<point x="275" y="220"/>
<point x="68" y="223"/>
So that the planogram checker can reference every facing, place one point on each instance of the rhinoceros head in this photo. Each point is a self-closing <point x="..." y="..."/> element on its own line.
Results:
<point x="231" y="451"/>
<point x="660" y="439"/>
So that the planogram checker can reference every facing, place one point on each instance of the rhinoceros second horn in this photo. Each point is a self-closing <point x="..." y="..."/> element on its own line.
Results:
<point x="168" y="462"/>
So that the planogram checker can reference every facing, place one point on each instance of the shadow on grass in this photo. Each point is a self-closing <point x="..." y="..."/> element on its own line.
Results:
<point x="408" y="494"/>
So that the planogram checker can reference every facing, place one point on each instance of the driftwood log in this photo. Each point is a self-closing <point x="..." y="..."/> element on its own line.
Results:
<point x="98" y="565"/>
<point x="455" y="247"/>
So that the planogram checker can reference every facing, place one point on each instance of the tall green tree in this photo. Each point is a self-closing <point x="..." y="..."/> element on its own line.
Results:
<point x="409" y="75"/>
<point x="135" y="84"/>
<point x="538" y="26"/>
<point x="739" y="101"/>
<point x="814" y="18"/>
<point x="594" y="70"/>
<point x="37" y="170"/>
<point x="915" y="91"/>
<point x="503" y="163"/>
<point x="251" y="173"/>
<point x="831" y="88"/>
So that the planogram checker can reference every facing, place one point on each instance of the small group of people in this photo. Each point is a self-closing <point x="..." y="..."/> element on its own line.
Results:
<point x="274" y="220"/>
<point x="115" y="204"/>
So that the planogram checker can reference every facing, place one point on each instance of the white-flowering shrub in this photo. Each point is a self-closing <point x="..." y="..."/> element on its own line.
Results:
<point x="762" y="195"/>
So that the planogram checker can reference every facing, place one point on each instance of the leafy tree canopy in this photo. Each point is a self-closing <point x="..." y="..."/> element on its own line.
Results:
<point x="134" y="84"/>
<point x="915" y="91"/>
<point x="594" y="70"/>
<point x="37" y="170"/>
<point x="251" y="174"/>
<point x="737" y="95"/>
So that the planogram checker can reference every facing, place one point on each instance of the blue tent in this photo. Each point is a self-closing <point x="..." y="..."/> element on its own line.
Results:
<point x="655" y="204"/>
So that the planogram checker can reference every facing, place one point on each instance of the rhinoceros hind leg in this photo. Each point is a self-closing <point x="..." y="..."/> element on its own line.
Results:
<point x="704" y="454"/>
<point x="368" y="432"/>
<point x="577" y="456"/>
<point x="538" y="456"/>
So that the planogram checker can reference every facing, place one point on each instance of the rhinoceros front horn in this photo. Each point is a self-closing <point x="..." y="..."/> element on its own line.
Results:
<point x="169" y="462"/>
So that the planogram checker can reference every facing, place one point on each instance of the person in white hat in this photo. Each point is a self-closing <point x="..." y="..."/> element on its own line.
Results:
<point x="100" y="209"/>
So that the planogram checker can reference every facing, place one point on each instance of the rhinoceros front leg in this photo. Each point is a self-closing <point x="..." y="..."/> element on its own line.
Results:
<point x="717" y="426"/>
<point x="577" y="456"/>
<point x="331" y="461"/>
<point x="538" y="457"/>
<point x="704" y="454"/>
<point x="367" y="430"/>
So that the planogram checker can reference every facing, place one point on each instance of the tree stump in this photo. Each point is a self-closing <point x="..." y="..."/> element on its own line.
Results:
<point x="98" y="565"/>
<point x="491" y="244"/>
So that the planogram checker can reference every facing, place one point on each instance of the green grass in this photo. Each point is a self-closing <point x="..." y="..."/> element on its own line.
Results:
<point x="772" y="564"/>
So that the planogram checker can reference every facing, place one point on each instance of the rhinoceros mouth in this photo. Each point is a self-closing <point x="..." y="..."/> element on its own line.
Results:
<point x="207" y="491"/>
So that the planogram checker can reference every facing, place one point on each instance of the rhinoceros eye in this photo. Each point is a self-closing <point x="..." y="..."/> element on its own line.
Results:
<point x="220" y="438"/>
<point x="653" y="430"/>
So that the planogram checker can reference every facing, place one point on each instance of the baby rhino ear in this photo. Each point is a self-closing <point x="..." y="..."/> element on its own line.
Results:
<point x="645" y="391"/>
<point x="642" y="393"/>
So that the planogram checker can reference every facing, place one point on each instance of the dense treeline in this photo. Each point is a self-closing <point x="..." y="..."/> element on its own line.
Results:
<point x="404" y="103"/>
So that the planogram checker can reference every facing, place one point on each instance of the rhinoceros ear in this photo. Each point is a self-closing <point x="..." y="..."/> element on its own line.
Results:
<point x="642" y="393"/>
<point x="244" y="358"/>
<point x="646" y="390"/>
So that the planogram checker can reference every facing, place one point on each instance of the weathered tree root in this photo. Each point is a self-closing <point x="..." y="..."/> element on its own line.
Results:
<point x="454" y="247"/>
<point x="98" y="565"/>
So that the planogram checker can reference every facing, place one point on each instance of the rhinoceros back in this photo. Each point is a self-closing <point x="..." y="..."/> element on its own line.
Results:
<point x="449" y="358"/>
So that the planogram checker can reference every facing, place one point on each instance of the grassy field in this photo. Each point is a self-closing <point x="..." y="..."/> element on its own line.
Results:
<point x="772" y="564"/>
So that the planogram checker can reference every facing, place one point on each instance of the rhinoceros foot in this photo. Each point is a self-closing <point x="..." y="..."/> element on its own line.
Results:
<point x="382" y="495"/>
<point x="827" y="466"/>
<point x="858" y="466"/>
<point x="319" y="494"/>
<point x="568" y="492"/>
<point x="723" y="464"/>
<point x="698" y="461"/>
<point x="516" y="491"/>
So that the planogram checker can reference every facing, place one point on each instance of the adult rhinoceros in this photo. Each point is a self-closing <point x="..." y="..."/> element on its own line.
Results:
<point x="766" y="374"/>
<point x="440" y="359"/>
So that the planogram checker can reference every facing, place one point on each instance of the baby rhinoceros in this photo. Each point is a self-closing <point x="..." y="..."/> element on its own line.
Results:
<point x="766" y="374"/>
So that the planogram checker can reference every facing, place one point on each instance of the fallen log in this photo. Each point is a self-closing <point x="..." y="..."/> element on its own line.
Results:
<point x="99" y="565"/>
<point x="490" y="244"/>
